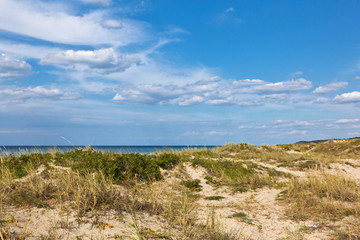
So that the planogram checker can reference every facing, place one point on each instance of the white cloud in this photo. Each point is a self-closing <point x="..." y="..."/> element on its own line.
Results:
<point x="191" y="133"/>
<point x="187" y="100"/>
<point x="39" y="92"/>
<point x="280" y="87"/>
<point x="13" y="68"/>
<point x="230" y="9"/>
<point x="213" y="133"/>
<point x="351" y="97"/>
<point x="211" y="91"/>
<point x="189" y="94"/>
<point x="52" y="22"/>
<point x="11" y="131"/>
<point x="330" y="87"/>
<point x="357" y="77"/>
<point x="102" y="60"/>
<point x="112" y="24"/>
<point x="227" y="17"/>
<point x="22" y="50"/>
<point x="248" y="82"/>
<point x="296" y="74"/>
<point x="297" y="132"/>
<point x="101" y="2"/>
<point x="322" y="100"/>
<point x="348" y="120"/>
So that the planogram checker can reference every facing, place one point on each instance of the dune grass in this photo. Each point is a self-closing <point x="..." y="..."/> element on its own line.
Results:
<point x="243" y="175"/>
<point x="323" y="195"/>
<point x="88" y="181"/>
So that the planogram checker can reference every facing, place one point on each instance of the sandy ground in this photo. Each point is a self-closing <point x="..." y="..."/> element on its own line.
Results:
<point x="266" y="219"/>
<point x="265" y="215"/>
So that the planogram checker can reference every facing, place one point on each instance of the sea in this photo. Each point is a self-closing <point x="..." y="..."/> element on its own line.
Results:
<point x="18" y="150"/>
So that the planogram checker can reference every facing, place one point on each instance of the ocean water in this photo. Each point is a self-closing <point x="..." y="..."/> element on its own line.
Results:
<point x="17" y="150"/>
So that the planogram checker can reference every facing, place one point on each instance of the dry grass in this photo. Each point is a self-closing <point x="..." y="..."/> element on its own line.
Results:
<point x="88" y="193"/>
<point x="323" y="195"/>
<point x="93" y="192"/>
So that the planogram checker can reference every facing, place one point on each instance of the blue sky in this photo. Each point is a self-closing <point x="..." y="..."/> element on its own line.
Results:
<point x="107" y="72"/>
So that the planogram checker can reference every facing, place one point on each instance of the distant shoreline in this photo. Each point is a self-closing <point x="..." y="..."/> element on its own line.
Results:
<point x="142" y="149"/>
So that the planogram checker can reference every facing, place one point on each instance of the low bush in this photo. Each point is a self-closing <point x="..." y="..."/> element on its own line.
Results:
<point x="216" y="198"/>
<point x="235" y="173"/>
<point x="18" y="164"/>
<point x="193" y="185"/>
<point x="166" y="160"/>
<point x="119" y="167"/>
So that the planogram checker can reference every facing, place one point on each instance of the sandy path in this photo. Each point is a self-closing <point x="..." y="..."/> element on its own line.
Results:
<point x="265" y="215"/>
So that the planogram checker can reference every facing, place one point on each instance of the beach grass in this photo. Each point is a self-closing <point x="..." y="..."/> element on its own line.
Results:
<point x="86" y="182"/>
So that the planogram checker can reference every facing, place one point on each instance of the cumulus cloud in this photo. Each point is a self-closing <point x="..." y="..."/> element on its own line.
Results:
<point x="39" y="92"/>
<point x="280" y="87"/>
<point x="205" y="91"/>
<point x="248" y="82"/>
<point x="330" y="87"/>
<point x="351" y="97"/>
<point x="102" y="60"/>
<point x="13" y="68"/>
<point x="345" y="120"/>
<point x="211" y="91"/>
<point x="52" y="22"/>
<point x="322" y="100"/>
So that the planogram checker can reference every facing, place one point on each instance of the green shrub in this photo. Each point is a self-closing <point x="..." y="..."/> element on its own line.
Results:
<point x="166" y="160"/>
<point x="216" y="198"/>
<point x="18" y="164"/>
<point x="241" y="189"/>
<point x="193" y="185"/>
<point x="210" y="180"/>
<point x="235" y="173"/>
<point x="119" y="166"/>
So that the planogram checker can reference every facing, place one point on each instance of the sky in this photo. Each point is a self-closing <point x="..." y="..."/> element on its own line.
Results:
<point x="178" y="72"/>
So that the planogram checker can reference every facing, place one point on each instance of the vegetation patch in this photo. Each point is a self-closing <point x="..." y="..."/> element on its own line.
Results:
<point x="210" y="180"/>
<point x="216" y="198"/>
<point x="243" y="216"/>
<point x="240" y="189"/>
<point x="235" y="173"/>
<point x="119" y="167"/>
<point x="193" y="185"/>
<point x="322" y="195"/>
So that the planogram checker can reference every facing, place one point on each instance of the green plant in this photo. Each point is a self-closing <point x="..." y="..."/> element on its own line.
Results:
<point x="216" y="198"/>
<point x="235" y="173"/>
<point x="210" y="180"/>
<point x="239" y="215"/>
<point x="240" y="189"/>
<point x="166" y="160"/>
<point x="243" y="216"/>
<point x="193" y="185"/>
